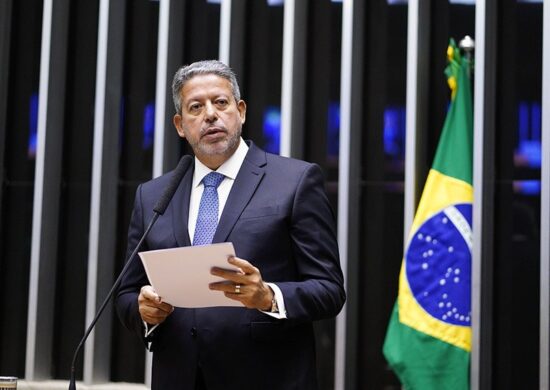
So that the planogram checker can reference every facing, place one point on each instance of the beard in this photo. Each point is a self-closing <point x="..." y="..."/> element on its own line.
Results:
<point x="223" y="148"/>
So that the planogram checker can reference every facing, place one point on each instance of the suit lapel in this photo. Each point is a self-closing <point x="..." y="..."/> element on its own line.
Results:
<point x="246" y="182"/>
<point x="180" y="204"/>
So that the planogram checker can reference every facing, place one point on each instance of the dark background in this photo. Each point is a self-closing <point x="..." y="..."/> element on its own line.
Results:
<point x="383" y="89"/>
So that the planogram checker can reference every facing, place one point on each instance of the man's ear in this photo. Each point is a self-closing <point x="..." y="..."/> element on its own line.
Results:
<point x="177" y="119"/>
<point x="241" y="106"/>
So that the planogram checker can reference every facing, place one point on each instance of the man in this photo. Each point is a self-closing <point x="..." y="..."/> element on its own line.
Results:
<point x="275" y="212"/>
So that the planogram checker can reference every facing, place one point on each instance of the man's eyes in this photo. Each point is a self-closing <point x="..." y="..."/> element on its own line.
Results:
<point x="220" y="103"/>
<point x="194" y="107"/>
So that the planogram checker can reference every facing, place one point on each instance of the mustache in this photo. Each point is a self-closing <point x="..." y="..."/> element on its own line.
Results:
<point x="212" y="129"/>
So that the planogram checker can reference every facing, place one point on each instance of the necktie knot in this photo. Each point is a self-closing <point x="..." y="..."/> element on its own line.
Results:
<point x="213" y="179"/>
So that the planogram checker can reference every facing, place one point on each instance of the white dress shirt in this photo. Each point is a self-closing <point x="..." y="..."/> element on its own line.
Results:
<point x="229" y="169"/>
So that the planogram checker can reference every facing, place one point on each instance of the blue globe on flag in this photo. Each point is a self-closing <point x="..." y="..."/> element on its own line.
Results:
<point x="438" y="264"/>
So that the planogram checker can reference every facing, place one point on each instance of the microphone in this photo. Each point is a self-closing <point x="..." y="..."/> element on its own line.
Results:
<point x="158" y="210"/>
<point x="170" y="190"/>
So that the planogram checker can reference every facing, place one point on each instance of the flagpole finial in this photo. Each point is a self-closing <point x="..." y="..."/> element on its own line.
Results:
<point x="467" y="44"/>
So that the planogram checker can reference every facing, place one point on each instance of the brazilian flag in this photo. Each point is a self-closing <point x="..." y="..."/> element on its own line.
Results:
<point x="429" y="335"/>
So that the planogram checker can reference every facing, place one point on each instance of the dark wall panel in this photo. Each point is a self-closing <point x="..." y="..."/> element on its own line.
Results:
<point x="517" y="197"/>
<point x="74" y="216"/>
<point x="260" y="80"/>
<point x="382" y="183"/>
<point x="322" y="133"/>
<point x="136" y="158"/>
<point x="18" y="181"/>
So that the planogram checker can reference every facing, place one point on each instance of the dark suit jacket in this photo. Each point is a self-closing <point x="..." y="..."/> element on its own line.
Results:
<point x="278" y="218"/>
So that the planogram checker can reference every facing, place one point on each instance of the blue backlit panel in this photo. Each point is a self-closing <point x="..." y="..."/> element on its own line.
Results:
<point x="527" y="187"/>
<point x="394" y="132"/>
<point x="272" y="129"/>
<point x="528" y="148"/>
<point x="333" y="130"/>
<point x="148" y="126"/>
<point x="33" y="125"/>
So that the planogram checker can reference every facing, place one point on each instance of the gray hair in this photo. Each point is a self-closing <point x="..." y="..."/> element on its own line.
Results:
<point x="186" y="73"/>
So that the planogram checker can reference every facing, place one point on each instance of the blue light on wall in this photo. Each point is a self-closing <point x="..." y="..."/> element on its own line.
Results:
<point x="272" y="129"/>
<point x="527" y="187"/>
<point x="528" y="153"/>
<point x="528" y="148"/>
<point x="33" y="125"/>
<point x="394" y="132"/>
<point x="333" y="130"/>
<point x="148" y="126"/>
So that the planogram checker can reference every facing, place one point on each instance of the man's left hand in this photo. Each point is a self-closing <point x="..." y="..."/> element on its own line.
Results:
<point x="244" y="284"/>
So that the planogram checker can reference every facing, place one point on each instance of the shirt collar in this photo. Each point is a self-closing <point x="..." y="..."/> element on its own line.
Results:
<point x="230" y="168"/>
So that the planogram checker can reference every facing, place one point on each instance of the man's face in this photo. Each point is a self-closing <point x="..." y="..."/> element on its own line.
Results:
<point x="210" y="119"/>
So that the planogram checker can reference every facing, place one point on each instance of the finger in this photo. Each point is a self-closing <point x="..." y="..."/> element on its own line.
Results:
<point x="231" y="290"/>
<point x="225" y="286"/>
<point x="166" y="307"/>
<point x="244" y="265"/>
<point x="160" y="313"/>
<point x="149" y="293"/>
<point x="235" y="297"/>
<point x="233" y="275"/>
<point x="153" y="315"/>
<point x="154" y="305"/>
<point x="153" y="320"/>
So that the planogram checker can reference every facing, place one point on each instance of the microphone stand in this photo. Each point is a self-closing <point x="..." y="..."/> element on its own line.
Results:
<point x="158" y="210"/>
<point x="72" y="385"/>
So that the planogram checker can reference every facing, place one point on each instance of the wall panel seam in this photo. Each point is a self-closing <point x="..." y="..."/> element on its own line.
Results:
<point x="38" y="189"/>
<point x="545" y="207"/>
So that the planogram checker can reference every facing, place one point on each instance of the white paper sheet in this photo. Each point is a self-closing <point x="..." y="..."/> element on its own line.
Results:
<point x="181" y="275"/>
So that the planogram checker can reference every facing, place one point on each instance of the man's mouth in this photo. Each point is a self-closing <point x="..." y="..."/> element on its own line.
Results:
<point x="213" y="132"/>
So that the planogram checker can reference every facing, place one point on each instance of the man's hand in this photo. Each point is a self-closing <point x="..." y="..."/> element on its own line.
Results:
<point x="151" y="308"/>
<point x="244" y="285"/>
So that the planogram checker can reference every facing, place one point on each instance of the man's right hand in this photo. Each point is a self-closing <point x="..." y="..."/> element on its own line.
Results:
<point x="151" y="308"/>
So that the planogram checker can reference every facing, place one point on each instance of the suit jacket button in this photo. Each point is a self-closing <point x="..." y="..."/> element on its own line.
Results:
<point x="193" y="332"/>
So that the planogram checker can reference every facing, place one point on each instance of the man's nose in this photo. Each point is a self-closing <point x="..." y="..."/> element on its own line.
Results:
<point x="210" y="111"/>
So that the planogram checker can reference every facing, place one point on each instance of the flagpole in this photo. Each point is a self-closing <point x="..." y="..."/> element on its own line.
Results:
<point x="467" y="45"/>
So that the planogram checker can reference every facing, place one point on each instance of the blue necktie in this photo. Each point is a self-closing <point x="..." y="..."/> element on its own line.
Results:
<point x="207" y="219"/>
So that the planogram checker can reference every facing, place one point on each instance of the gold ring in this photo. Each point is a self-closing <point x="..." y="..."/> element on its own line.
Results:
<point x="237" y="289"/>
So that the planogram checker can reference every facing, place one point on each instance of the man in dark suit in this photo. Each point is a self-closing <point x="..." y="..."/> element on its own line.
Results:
<point x="275" y="212"/>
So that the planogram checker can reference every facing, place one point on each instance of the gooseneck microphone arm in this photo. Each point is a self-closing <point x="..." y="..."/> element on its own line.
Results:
<point x="72" y="385"/>
<point x="158" y="210"/>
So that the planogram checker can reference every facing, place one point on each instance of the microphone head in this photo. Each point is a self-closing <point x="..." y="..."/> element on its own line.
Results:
<point x="177" y="176"/>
